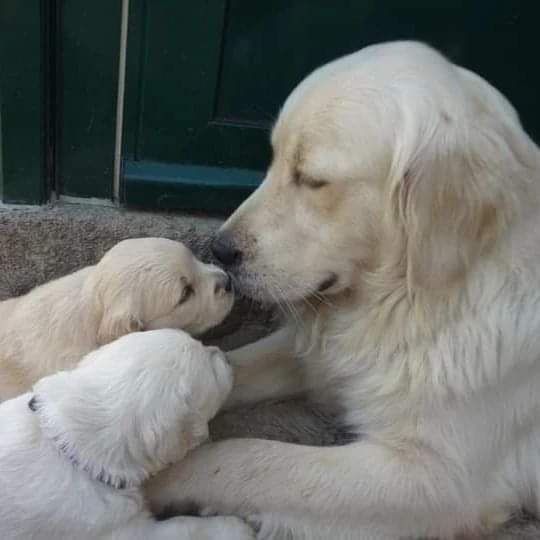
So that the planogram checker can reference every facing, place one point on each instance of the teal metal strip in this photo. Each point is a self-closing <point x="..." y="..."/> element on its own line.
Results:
<point x="187" y="187"/>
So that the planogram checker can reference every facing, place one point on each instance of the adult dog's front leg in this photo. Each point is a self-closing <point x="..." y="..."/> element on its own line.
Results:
<point x="184" y="528"/>
<point x="412" y="493"/>
<point x="266" y="369"/>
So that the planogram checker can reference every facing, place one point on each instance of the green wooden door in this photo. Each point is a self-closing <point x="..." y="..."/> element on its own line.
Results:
<point x="206" y="79"/>
<point x="184" y="143"/>
<point x="203" y="83"/>
<point x="58" y="88"/>
<point x="86" y="54"/>
<point x="23" y="111"/>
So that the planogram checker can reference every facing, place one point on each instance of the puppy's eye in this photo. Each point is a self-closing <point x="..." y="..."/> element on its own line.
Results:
<point x="186" y="293"/>
<point x="311" y="183"/>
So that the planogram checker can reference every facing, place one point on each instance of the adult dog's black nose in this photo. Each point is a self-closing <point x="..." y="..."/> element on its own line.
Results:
<point x="225" y="251"/>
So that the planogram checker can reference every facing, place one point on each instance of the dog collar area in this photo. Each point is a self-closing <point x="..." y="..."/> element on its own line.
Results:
<point x="62" y="448"/>
<point x="102" y="477"/>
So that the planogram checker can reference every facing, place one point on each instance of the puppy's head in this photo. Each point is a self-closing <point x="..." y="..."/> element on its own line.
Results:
<point x="134" y="406"/>
<point x="390" y="160"/>
<point x="151" y="283"/>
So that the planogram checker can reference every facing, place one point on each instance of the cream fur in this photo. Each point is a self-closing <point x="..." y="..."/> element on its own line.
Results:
<point x="408" y="186"/>
<point x="137" y="285"/>
<point x="129" y="409"/>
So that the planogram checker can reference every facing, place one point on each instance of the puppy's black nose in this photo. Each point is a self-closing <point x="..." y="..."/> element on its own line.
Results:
<point x="225" y="251"/>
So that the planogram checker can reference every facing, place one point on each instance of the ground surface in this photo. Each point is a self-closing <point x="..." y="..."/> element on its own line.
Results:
<point x="40" y="244"/>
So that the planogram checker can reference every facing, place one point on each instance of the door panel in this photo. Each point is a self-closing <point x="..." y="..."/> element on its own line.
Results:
<point x="23" y="104"/>
<point x="206" y="79"/>
<point x="88" y="41"/>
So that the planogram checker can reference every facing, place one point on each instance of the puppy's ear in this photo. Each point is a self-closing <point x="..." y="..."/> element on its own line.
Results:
<point x="119" y="318"/>
<point x="118" y="304"/>
<point x="126" y="420"/>
<point x="453" y="190"/>
<point x="74" y="414"/>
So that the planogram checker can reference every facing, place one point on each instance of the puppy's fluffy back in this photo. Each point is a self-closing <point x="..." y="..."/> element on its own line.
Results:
<point x="42" y="495"/>
<point x="48" y="329"/>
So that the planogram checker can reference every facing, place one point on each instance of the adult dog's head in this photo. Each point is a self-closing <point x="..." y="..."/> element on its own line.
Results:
<point x="390" y="160"/>
<point x="135" y="405"/>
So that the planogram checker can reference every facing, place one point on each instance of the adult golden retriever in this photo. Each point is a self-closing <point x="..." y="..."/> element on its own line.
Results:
<point x="400" y="218"/>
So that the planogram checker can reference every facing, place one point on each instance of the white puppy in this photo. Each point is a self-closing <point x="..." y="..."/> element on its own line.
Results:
<point x="140" y="284"/>
<point x="74" y="453"/>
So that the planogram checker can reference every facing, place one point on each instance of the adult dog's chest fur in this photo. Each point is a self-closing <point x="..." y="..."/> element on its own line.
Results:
<point x="365" y="382"/>
<point x="418" y="372"/>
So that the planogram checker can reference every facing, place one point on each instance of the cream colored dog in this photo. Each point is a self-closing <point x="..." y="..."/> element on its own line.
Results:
<point x="140" y="284"/>
<point x="400" y="218"/>
<point x="75" y="451"/>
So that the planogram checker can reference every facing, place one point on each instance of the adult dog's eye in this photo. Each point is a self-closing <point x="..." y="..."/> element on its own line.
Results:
<point x="186" y="293"/>
<point x="312" y="183"/>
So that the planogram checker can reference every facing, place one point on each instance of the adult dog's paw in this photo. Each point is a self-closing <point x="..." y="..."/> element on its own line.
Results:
<point x="232" y="528"/>
<point x="267" y="528"/>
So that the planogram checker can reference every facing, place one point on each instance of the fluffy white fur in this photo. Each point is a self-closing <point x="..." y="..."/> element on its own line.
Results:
<point x="140" y="284"/>
<point x="72" y="463"/>
<point x="400" y="222"/>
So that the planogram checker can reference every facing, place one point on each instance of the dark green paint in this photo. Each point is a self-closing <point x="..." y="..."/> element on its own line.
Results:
<point x="88" y="49"/>
<point x="22" y="115"/>
<point x="189" y="187"/>
<point x="174" y="56"/>
<point x="133" y="85"/>
<point x="271" y="46"/>
<point x="206" y="79"/>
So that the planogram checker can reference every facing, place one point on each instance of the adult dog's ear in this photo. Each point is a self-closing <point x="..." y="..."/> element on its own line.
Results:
<point x="119" y="317"/>
<point x="456" y="182"/>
